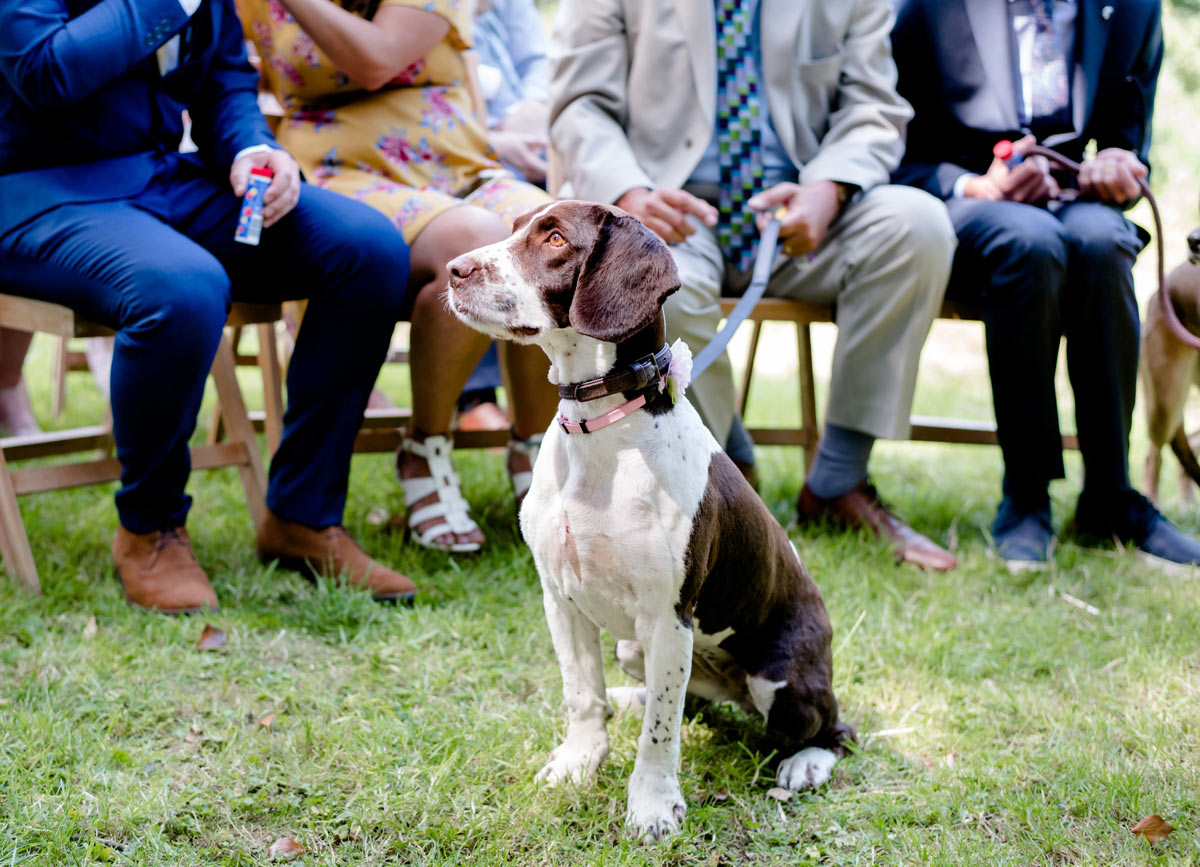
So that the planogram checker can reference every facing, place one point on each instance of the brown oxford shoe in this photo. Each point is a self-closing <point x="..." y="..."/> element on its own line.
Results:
<point x="160" y="573"/>
<point x="330" y="553"/>
<point x="861" y="508"/>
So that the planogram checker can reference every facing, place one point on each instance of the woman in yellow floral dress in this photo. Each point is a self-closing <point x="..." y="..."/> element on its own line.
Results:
<point x="376" y="109"/>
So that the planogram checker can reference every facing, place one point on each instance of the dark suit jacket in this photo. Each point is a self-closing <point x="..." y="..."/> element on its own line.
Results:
<point x="957" y="68"/>
<point x="84" y="113"/>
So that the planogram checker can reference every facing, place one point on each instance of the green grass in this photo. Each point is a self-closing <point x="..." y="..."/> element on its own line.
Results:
<point x="1018" y="728"/>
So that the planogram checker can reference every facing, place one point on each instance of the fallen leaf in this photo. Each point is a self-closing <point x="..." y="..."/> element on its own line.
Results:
<point x="378" y="516"/>
<point x="713" y="797"/>
<point x="779" y="794"/>
<point x="286" y="848"/>
<point x="1153" y="828"/>
<point x="193" y="735"/>
<point x="266" y="721"/>
<point x="211" y="638"/>
<point x="90" y="630"/>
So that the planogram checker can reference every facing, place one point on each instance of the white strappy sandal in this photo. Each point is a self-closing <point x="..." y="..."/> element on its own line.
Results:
<point x="522" y="479"/>
<point x="450" y="506"/>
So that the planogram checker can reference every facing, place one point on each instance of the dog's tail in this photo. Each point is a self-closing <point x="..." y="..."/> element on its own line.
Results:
<point x="1184" y="454"/>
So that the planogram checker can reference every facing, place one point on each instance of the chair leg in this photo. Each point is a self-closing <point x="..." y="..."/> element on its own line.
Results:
<point x="61" y="365"/>
<point x="14" y="544"/>
<point x="808" y="393"/>
<point x="268" y="363"/>
<point x="744" y="391"/>
<point x="237" y="422"/>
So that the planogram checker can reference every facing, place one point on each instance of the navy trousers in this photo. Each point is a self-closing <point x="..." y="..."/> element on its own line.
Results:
<point x="162" y="268"/>
<point x="1038" y="277"/>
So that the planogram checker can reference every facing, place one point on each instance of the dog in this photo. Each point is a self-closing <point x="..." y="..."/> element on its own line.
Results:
<point x="639" y="523"/>
<point x="1168" y="369"/>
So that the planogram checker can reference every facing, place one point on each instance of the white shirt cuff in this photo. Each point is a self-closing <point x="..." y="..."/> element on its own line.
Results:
<point x="190" y="6"/>
<point x="253" y="149"/>
<point x="961" y="183"/>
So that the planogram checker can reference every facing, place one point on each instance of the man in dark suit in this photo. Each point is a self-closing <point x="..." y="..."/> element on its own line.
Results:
<point x="1064" y="73"/>
<point x="100" y="211"/>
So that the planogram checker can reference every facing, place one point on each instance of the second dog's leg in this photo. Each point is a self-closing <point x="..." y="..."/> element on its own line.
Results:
<point x="656" y="806"/>
<point x="577" y="644"/>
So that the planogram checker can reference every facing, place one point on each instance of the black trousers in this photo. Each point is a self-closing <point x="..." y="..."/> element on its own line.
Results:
<point x="1040" y="276"/>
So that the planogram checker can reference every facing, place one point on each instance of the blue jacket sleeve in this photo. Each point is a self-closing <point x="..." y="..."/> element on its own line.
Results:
<point x="50" y="59"/>
<point x="527" y="46"/>
<point x="225" y="113"/>
<point x="1128" y="123"/>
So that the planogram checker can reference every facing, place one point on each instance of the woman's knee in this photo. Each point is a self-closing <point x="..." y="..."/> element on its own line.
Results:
<point x="454" y="232"/>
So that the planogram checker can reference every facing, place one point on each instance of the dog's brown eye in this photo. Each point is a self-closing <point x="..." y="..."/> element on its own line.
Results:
<point x="556" y="239"/>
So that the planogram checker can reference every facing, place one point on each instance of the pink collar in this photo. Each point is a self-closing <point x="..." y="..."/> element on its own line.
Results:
<point x="594" y="424"/>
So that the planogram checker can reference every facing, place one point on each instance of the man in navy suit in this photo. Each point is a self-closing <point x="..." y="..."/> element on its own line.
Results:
<point x="1064" y="73"/>
<point x="100" y="211"/>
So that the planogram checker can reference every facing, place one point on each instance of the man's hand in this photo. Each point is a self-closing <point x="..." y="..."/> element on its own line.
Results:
<point x="284" y="191"/>
<point x="1112" y="176"/>
<point x="665" y="212"/>
<point x="1029" y="183"/>
<point x="811" y="210"/>
<point x="523" y="152"/>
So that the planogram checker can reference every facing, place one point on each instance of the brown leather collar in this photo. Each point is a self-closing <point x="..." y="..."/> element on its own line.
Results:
<point x="640" y="374"/>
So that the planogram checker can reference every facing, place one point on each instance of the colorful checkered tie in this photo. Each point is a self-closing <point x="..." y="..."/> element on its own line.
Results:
<point x="739" y="137"/>
<point x="1049" y="93"/>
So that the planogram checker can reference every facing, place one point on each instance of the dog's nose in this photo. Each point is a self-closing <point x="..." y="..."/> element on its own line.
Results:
<point x="462" y="267"/>
<point x="1194" y="242"/>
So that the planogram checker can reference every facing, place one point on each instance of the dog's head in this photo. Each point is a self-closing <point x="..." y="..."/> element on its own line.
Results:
<point x="579" y="265"/>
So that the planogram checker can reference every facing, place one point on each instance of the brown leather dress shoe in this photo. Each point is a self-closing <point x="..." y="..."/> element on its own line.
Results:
<point x="330" y="553"/>
<point x="160" y="573"/>
<point x="861" y="508"/>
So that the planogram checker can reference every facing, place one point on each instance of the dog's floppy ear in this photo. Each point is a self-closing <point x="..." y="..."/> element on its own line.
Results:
<point x="624" y="280"/>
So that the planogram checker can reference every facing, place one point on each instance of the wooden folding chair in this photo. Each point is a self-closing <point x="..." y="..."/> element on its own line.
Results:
<point x="241" y="450"/>
<point x="803" y="314"/>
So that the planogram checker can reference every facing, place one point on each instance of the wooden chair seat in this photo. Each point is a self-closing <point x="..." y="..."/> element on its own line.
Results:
<point x="803" y="314"/>
<point x="240" y="450"/>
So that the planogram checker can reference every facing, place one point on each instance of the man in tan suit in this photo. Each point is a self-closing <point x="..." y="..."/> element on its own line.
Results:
<point x="698" y="116"/>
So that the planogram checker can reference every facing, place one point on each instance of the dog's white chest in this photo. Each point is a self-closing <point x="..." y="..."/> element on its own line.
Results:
<point x="609" y="521"/>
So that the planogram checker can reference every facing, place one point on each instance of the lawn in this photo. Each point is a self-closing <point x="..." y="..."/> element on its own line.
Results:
<point x="1004" y="720"/>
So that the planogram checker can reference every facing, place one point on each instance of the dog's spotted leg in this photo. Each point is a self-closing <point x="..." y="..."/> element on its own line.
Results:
<point x="577" y="644"/>
<point x="656" y="806"/>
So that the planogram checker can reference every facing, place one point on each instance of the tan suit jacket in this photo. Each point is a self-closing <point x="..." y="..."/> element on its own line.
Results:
<point x="633" y="91"/>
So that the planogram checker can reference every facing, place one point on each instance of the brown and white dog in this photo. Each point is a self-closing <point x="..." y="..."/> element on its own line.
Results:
<point x="1169" y="369"/>
<point x="645" y="528"/>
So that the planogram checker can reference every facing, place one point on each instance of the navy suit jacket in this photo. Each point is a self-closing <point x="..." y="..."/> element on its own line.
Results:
<point x="85" y="114"/>
<point x="957" y="68"/>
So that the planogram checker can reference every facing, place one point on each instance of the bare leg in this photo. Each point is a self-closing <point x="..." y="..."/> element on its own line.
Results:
<point x="443" y="350"/>
<point x="16" y="414"/>
<point x="531" y="396"/>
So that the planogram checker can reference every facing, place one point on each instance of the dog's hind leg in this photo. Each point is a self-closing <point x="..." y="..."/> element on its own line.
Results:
<point x="577" y="644"/>
<point x="656" y="805"/>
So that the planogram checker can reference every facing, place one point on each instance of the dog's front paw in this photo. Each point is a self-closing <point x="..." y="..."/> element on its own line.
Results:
<point x="807" y="769"/>
<point x="656" y="807"/>
<point x="575" y="760"/>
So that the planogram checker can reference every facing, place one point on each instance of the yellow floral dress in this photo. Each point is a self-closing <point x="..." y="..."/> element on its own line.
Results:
<point x="411" y="149"/>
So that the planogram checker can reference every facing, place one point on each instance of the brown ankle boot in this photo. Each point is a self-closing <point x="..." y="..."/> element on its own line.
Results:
<point x="160" y="573"/>
<point x="330" y="553"/>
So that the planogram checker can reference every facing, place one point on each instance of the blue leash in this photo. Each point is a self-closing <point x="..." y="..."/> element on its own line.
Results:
<point x="763" y="259"/>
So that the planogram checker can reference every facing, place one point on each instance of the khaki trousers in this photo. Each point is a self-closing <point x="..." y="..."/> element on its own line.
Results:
<point x="885" y="264"/>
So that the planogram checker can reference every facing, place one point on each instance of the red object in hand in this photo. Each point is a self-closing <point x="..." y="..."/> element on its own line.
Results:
<point x="1003" y="150"/>
<point x="262" y="172"/>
